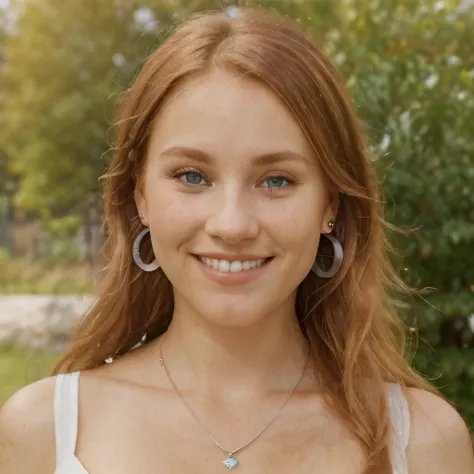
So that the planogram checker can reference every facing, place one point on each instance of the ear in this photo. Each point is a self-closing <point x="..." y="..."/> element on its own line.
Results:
<point x="330" y="212"/>
<point x="140" y="200"/>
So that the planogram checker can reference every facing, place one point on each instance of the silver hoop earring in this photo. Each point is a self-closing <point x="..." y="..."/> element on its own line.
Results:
<point x="146" y="267"/>
<point x="336" y="262"/>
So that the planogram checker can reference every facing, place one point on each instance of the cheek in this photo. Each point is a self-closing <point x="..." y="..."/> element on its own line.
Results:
<point x="172" y="222"/>
<point x="297" y="227"/>
<point x="301" y="218"/>
<point x="300" y="236"/>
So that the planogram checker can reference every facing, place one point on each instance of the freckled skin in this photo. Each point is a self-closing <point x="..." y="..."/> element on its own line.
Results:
<point x="232" y="205"/>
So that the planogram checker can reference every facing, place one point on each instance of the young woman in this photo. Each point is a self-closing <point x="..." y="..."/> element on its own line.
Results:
<point x="269" y="343"/>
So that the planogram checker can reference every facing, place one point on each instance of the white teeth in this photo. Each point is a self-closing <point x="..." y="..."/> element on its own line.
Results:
<point x="224" y="266"/>
<point x="235" y="266"/>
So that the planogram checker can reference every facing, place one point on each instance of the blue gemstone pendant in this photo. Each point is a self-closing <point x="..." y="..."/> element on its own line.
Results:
<point x="230" y="462"/>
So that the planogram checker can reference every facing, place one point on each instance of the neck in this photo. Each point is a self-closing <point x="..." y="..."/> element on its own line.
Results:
<point x="232" y="362"/>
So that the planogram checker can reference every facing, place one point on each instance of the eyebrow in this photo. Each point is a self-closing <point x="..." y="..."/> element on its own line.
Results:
<point x="259" y="160"/>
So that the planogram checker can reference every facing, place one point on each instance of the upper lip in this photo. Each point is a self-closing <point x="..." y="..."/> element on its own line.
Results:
<point x="231" y="257"/>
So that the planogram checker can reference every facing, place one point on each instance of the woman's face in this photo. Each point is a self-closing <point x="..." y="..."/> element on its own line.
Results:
<point x="234" y="199"/>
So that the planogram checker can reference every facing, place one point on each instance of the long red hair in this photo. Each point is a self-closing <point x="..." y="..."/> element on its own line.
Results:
<point x="351" y="321"/>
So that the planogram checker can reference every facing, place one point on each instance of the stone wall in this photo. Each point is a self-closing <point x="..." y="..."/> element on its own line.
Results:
<point x="40" y="321"/>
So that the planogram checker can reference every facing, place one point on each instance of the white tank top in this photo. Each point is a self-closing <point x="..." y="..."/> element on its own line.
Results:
<point x="66" y="411"/>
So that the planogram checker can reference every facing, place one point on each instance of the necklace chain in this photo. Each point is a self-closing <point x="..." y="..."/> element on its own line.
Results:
<point x="233" y="451"/>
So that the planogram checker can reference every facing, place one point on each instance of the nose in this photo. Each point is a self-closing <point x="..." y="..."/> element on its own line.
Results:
<point x="232" y="218"/>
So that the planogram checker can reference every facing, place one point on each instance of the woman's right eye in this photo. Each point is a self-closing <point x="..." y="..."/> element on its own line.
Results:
<point x="192" y="178"/>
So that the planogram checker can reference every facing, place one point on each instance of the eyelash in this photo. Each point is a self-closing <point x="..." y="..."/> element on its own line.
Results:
<point x="177" y="174"/>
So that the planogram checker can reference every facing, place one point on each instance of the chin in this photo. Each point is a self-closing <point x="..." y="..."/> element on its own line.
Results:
<point x="232" y="311"/>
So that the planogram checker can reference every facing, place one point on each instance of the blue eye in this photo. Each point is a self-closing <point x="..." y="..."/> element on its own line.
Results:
<point x="276" y="182"/>
<point x="192" y="178"/>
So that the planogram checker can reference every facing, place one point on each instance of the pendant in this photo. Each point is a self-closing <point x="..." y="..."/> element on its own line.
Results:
<point x="230" y="462"/>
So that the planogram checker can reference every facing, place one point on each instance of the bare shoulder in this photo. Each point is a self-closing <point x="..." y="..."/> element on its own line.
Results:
<point x="439" y="439"/>
<point x="27" y="426"/>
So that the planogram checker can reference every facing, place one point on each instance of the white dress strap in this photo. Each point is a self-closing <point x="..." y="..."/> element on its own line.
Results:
<point x="400" y="415"/>
<point x="66" y="413"/>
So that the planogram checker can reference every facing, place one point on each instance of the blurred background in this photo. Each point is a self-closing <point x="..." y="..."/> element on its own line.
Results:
<point x="410" y="67"/>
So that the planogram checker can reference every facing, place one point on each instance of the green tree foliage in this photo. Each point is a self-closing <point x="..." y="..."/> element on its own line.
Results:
<point x="411" y="67"/>
<point x="3" y="158"/>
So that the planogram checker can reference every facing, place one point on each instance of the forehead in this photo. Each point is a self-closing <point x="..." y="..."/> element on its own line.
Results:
<point x="227" y="114"/>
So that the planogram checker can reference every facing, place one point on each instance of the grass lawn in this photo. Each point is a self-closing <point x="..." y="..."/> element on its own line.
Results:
<point x="51" y="278"/>
<point x="19" y="367"/>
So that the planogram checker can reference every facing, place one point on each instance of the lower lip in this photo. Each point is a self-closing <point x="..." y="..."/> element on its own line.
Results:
<point x="232" y="278"/>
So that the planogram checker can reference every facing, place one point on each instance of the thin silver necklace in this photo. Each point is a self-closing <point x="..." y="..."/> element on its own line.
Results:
<point x="230" y="462"/>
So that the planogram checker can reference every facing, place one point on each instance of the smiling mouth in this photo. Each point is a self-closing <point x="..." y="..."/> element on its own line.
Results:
<point x="234" y="266"/>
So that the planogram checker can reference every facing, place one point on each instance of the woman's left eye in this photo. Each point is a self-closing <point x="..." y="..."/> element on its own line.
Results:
<point x="276" y="182"/>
